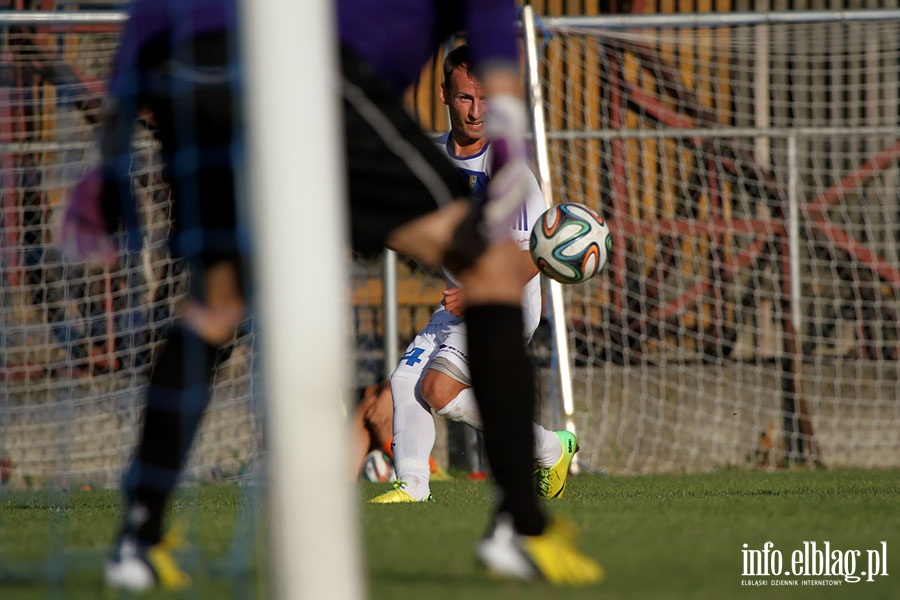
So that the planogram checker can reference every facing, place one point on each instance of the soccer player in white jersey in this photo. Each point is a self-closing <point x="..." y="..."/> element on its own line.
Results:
<point x="434" y="372"/>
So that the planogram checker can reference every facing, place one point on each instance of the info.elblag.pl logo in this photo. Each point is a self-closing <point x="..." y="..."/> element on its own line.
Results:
<point x="814" y="563"/>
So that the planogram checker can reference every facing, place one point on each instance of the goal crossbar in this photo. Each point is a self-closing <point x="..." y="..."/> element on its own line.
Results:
<point x="714" y="19"/>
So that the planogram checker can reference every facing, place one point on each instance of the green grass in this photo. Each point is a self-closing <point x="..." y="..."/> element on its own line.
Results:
<point x="660" y="536"/>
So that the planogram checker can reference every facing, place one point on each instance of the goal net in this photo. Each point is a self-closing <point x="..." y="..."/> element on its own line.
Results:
<point x="76" y="341"/>
<point x="722" y="331"/>
<point x="748" y="167"/>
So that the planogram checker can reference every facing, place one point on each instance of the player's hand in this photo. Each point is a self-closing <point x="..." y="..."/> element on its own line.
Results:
<point x="454" y="301"/>
<point x="379" y="412"/>
<point x="82" y="233"/>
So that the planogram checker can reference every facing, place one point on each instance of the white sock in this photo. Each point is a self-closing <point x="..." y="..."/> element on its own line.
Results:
<point x="547" y="447"/>
<point x="413" y="437"/>
<point x="463" y="409"/>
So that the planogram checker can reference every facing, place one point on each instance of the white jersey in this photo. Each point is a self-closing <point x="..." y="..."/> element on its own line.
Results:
<point x="477" y="169"/>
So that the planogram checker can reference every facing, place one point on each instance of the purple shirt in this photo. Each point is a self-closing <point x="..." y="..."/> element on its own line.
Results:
<point x="183" y="19"/>
<point x="397" y="37"/>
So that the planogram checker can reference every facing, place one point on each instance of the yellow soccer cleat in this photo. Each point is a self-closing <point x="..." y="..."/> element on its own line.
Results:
<point x="397" y="495"/>
<point x="551" y="481"/>
<point x="551" y="556"/>
<point x="558" y="560"/>
<point x="136" y="567"/>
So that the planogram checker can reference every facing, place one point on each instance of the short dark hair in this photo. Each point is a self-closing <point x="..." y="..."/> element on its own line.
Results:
<point x="456" y="58"/>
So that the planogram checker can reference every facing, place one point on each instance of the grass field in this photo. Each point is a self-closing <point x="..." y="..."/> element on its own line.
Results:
<point x="661" y="536"/>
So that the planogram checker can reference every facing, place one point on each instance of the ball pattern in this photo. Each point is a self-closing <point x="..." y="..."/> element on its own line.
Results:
<point x="570" y="243"/>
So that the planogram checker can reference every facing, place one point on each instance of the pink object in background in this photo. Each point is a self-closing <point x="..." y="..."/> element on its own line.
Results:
<point x="83" y="235"/>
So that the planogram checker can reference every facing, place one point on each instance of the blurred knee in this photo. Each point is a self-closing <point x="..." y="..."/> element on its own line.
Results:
<point x="438" y="389"/>
<point x="491" y="280"/>
<point x="216" y="317"/>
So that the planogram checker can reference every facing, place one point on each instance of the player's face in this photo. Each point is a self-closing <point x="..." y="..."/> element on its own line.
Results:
<point x="467" y="105"/>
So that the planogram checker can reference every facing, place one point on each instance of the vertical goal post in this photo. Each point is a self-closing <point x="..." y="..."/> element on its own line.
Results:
<point x="314" y="549"/>
<point x="560" y="345"/>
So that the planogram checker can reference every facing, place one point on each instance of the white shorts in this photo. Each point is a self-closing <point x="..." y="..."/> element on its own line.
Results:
<point x="441" y="346"/>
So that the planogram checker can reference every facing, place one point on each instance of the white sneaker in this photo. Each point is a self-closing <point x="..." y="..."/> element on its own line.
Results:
<point x="136" y="567"/>
<point x="551" y="556"/>
<point x="500" y="552"/>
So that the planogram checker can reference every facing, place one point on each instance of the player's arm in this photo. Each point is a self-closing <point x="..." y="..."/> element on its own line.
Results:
<point x="120" y="110"/>
<point x="490" y="27"/>
<point x="492" y="37"/>
<point x="526" y="265"/>
<point x="98" y="202"/>
<point x="535" y="205"/>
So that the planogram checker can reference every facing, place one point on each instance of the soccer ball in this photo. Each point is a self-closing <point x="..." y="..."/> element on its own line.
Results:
<point x="378" y="467"/>
<point x="570" y="243"/>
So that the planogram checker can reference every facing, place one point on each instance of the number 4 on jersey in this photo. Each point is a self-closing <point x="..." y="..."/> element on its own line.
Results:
<point x="412" y="357"/>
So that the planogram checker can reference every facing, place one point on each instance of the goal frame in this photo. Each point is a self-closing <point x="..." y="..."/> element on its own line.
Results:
<point x="798" y="434"/>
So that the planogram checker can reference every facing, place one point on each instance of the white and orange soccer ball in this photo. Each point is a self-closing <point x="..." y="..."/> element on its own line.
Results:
<point x="570" y="243"/>
<point x="378" y="467"/>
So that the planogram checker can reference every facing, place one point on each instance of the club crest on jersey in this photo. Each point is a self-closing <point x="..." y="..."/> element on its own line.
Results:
<point x="477" y="184"/>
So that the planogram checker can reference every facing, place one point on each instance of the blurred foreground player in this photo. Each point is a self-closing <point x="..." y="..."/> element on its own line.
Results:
<point x="176" y="59"/>
<point x="405" y="193"/>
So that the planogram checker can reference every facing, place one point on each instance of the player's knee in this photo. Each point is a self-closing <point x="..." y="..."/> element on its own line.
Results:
<point x="439" y="389"/>
<point x="491" y="280"/>
<point x="364" y="407"/>
<point x="217" y="306"/>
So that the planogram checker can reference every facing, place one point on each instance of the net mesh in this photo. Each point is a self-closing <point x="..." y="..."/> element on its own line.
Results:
<point x="689" y="351"/>
<point x="77" y="341"/>
<point x="714" y="336"/>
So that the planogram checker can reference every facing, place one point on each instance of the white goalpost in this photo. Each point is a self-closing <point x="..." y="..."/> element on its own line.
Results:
<point x="563" y="371"/>
<point x="297" y="201"/>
